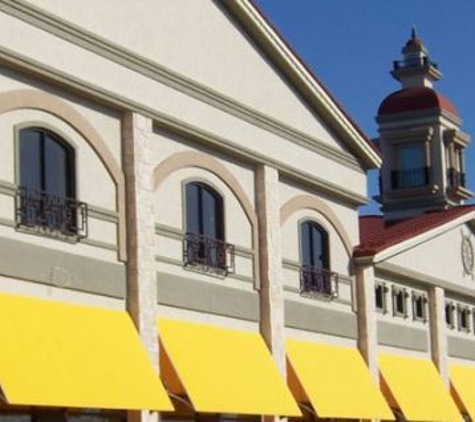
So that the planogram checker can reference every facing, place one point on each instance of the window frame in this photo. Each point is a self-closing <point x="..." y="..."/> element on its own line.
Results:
<point x="384" y="297"/>
<point x="61" y="139"/>
<point x="449" y="310"/>
<point x="192" y="238"/>
<point x="216" y="192"/>
<point x="78" y="230"/>
<point x="416" y="296"/>
<point x="311" y="274"/>
<point x="461" y="310"/>
<point x="322" y="230"/>
<point x="397" y="290"/>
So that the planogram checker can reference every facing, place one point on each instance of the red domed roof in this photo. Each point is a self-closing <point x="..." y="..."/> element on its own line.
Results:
<point x="414" y="42"/>
<point x="416" y="98"/>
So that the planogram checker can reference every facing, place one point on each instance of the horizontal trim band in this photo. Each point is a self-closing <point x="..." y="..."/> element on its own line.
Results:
<point x="129" y="59"/>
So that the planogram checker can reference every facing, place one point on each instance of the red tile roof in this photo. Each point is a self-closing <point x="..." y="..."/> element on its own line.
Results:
<point x="377" y="235"/>
<point x="416" y="98"/>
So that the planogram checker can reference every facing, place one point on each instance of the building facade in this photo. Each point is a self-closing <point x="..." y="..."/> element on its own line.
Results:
<point x="181" y="198"/>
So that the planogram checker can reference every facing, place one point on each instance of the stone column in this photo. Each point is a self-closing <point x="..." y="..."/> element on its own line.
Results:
<point x="272" y="323"/>
<point x="141" y="299"/>
<point x="438" y="336"/>
<point x="366" y="313"/>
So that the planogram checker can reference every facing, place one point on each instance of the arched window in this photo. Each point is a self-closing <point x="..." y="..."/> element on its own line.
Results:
<point x="315" y="276"/>
<point x="204" y="211"/>
<point x="204" y="244"/>
<point x="47" y="188"/>
<point x="314" y="245"/>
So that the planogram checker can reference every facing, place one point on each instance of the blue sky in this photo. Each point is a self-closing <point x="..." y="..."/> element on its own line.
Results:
<point x="350" y="45"/>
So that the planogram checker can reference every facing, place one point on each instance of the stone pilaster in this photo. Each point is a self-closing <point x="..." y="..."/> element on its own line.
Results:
<point x="141" y="281"/>
<point x="272" y="323"/>
<point x="366" y="313"/>
<point x="438" y="336"/>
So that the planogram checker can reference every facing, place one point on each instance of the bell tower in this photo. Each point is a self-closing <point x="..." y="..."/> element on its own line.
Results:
<point x="420" y="139"/>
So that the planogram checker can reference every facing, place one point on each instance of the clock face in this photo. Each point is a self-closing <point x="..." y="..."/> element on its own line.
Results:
<point x="467" y="255"/>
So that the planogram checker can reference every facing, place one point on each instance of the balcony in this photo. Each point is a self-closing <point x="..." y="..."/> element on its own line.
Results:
<point x="50" y="215"/>
<point x="414" y="63"/>
<point x="455" y="178"/>
<point x="318" y="282"/>
<point x="410" y="179"/>
<point x="208" y="254"/>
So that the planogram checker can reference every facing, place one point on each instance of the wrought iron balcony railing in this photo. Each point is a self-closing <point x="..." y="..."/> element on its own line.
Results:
<point x="414" y="63"/>
<point x="208" y="254"/>
<point x="409" y="179"/>
<point x="455" y="178"/>
<point x="50" y="215"/>
<point x="318" y="282"/>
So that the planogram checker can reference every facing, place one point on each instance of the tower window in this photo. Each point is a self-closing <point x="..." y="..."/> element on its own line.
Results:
<point x="204" y="245"/>
<point x="46" y="199"/>
<point x="412" y="171"/>
<point x="315" y="275"/>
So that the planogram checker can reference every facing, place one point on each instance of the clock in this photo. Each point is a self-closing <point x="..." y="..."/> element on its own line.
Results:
<point x="467" y="255"/>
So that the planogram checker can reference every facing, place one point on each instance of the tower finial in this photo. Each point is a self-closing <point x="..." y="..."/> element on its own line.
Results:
<point x="413" y="33"/>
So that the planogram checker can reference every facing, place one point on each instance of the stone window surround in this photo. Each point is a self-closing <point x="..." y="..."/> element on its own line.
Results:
<point x="461" y="310"/>
<point x="450" y="313"/>
<point x="384" y="298"/>
<point x="415" y="297"/>
<point x="32" y="99"/>
<point x="395" y="292"/>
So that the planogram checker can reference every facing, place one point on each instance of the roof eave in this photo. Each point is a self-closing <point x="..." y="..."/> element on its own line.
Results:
<point x="304" y="80"/>
<point x="379" y="255"/>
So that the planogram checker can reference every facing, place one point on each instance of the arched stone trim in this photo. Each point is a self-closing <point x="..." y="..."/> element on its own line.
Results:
<point x="306" y="201"/>
<point x="186" y="159"/>
<point x="25" y="98"/>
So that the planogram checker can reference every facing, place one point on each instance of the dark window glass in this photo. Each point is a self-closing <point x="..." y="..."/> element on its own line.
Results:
<point x="204" y="209"/>
<point x="448" y="314"/>
<point x="464" y="319"/>
<point x="205" y="247"/>
<point x="46" y="194"/>
<point x="399" y="302"/>
<point x="379" y="294"/>
<point x="419" y="307"/>
<point x="314" y="245"/>
<point x="46" y="163"/>
<point x="411" y="157"/>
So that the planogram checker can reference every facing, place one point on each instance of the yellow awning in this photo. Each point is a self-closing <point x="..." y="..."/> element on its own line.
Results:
<point x="226" y="371"/>
<point x="418" y="389"/>
<point x="336" y="381"/>
<point x="463" y="381"/>
<point x="57" y="354"/>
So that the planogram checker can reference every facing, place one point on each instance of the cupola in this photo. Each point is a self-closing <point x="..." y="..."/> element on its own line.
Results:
<point x="420" y="139"/>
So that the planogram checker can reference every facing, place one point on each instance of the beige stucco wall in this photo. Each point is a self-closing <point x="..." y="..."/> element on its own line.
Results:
<point x="109" y="77"/>
<point x="169" y="207"/>
<point x="173" y="33"/>
<point x="445" y="263"/>
<point x="57" y="293"/>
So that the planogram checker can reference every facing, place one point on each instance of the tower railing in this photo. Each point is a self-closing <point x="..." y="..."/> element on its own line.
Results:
<point x="410" y="179"/>
<point x="455" y="178"/>
<point x="414" y="62"/>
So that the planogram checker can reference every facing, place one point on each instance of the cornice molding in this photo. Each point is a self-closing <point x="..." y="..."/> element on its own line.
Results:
<point x="173" y="124"/>
<point x="247" y="14"/>
<point x="39" y="18"/>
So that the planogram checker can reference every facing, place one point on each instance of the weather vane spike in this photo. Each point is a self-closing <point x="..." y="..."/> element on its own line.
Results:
<point x="413" y="31"/>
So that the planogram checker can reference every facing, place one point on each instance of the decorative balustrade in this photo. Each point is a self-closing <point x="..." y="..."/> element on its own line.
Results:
<point x="318" y="282"/>
<point x="50" y="215"/>
<point x="208" y="254"/>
